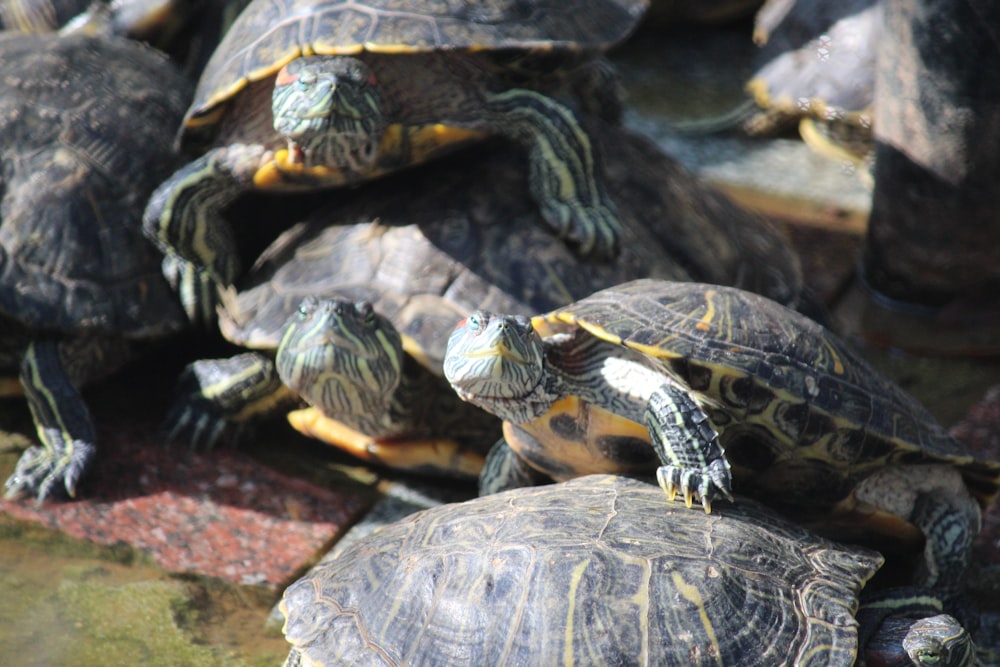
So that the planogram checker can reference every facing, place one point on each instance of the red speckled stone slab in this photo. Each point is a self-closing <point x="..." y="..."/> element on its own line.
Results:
<point x="218" y="513"/>
<point x="980" y="430"/>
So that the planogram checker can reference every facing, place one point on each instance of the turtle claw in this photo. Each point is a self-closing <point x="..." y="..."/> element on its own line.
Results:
<point x="202" y="429"/>
<point x="199" y="422"/>
<point x="668" y="486"/>
<point x="215" y="399"/>
<point x="704" y="485"/>
<point x="45" y="471"/>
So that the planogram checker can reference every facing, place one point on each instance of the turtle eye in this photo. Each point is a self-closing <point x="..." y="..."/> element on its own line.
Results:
<point x="306" y="307"/>
<point x="366" y="312"/>
<point x="477" y="321"/>
<point x="306" y="78"/>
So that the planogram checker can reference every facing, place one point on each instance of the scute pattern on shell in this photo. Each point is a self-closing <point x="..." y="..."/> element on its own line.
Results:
<point x="733" y="334"/>
<point x="270" y="33"/>
<point x="72" y="253"/>
<point x="600" y="570"/>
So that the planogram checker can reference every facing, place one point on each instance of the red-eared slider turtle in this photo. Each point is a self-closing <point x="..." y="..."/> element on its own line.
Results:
<point x="727" y="386"/>
<point x="816" y="68"/>
<point x="425" y="247"/>
<point x="597" y="571"/>
<point x="302" y="94"/>
<point x="77" y="278"/>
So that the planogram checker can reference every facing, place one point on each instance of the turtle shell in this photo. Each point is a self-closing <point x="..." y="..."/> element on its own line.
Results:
<point x="755" y="366"/>
<point x="601" y="570"/>
<point x="271" y="33"/>
<point x="72" y="253"/>
<point x="428" y="246"/>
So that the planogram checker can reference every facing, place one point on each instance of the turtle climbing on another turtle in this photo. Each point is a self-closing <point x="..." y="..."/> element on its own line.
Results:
<point x="718" y="389"/>
<point x="422" y="249"/>
<point x="86" y="126"/>
<point x="600" y="571"/>
<point x="307" y="94"/>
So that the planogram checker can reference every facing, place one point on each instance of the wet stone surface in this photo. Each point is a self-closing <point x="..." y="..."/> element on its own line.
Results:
<point x="220" y="513"/>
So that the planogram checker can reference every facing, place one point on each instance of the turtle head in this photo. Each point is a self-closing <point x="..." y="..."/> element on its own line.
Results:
<point x="342" y="357"/>
<point x="939" y="641"/>
<point x="498" y="363"/>
<point x="330" y="107"/>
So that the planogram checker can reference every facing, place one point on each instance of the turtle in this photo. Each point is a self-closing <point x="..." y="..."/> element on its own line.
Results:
<point x="80" y="285"/>
<point x="816" y="68"/>
<point x="307" y="94"/>
<point x="718" y="389"/>
<point x="421" y="249"/>
<point x="599" y="571"/>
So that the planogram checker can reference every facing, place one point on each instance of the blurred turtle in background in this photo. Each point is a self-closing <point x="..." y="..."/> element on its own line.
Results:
<point x="86" y="128"/>
<point x="816" y="70"/>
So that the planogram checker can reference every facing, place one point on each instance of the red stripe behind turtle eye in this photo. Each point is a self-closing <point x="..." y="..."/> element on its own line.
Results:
<point x="461" y="322"/>
<point x="285" y="77"/>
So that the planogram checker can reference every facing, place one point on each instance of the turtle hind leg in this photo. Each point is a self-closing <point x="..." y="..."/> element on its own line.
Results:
<point x="564" y="170"/>
<point x="689" y="448"/>
<point x="184" y="219"/>
<point x="64" y="425"/>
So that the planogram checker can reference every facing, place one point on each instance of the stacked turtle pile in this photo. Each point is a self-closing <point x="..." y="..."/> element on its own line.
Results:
<point x="425" y="238"/>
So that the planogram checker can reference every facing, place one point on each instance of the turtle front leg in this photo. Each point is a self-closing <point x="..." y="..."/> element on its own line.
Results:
<point x="64" y="426"/>
<point x="688" y="446"/>
<point x="504" y="469"/>
<point x="564" y="170"/>
<point x="216" y="398"/>
<point x="184" y="218"/>
<point x="949" y="525"/>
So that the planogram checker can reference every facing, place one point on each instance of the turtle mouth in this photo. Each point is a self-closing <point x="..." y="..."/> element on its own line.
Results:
<point x="500" y="350"/>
